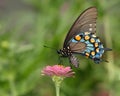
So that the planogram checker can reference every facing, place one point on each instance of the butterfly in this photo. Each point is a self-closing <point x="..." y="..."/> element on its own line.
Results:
<point x="81" y="39"/>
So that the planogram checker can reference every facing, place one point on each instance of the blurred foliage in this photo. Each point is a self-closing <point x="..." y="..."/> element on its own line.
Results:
<point x="27" y="25"/>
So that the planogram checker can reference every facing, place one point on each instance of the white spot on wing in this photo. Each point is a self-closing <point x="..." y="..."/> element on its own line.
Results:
<point x="86" y="33"/>
<point x="93" y="35"/>
<point x="90" y="29"/>
<point x="90" y="25"/>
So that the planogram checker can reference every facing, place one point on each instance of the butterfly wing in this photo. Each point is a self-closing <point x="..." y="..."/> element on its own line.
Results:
<point x="86" y="22"/>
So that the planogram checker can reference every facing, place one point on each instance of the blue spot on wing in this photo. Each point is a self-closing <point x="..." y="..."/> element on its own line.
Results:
<point x="90" y="48"/>
<point x="101" y="51"/>
<point x="73" y="40"/>
<point x="90" y="45"/>
<point x="97" y="40"/>
<point x="87" y="42"/>
<point x="101" y="46"/>
<point x="87" y="50"/>
<point x="97" y="55"/>
<point x="82" y="40"/>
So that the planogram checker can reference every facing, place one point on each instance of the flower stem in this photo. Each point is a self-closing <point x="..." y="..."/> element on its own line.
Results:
<point x="57" y="80"/>
<point x="57" y="87"/>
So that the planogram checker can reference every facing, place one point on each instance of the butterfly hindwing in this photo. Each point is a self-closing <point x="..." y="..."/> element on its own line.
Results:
<point x="77" y="47"/>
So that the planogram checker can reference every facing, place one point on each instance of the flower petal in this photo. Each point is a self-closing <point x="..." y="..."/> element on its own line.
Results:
<point x="58" y="70"/>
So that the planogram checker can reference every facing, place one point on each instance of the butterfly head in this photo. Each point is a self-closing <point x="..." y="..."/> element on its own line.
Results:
<point x="65" y="52"/>
<point x="61" y="52"/>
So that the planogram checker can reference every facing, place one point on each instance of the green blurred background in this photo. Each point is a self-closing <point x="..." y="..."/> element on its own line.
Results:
<point x="27" y="25"/>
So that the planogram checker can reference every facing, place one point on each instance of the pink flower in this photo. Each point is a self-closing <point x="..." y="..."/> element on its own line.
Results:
<point x="58" y="70"/>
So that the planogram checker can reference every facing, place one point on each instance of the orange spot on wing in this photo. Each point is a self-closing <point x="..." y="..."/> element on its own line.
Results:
<point x="92" y="40"/>
<point x="87" y="54"/>
<point x="96" y="44"/>
<point x="92" y="53"/>
<point x="87" y="37"/>
<point x="77" y="37"/>
<point x="97" y="49"/>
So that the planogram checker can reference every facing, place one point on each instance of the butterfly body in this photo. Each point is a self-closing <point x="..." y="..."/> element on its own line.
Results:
<point x="82" y="39"/>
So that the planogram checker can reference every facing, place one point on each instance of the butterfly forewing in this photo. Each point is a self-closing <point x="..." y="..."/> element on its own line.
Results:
<point x="86" y="22"/>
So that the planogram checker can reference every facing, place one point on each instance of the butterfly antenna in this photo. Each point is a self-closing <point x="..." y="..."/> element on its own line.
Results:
<point x="49" y="47"/>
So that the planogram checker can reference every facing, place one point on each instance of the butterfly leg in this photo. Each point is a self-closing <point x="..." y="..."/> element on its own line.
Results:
<point x="74" y="61"/>
<point x="70" y="64"/>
